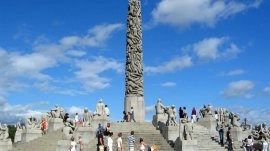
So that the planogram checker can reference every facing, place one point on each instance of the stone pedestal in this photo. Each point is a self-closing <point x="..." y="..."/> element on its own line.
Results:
<point x="63" y="145"/>
<point x="170" y="133"/>
<point x="18" y="136"/>
<point x="209" y="122"/>
<point x="237" y="134"/>
<point x="87" y="134"/>
<point x="186" y="145"/>
<point x="30" y="134"/>
<point x="55" y="124"/>
<point x="159" y="118"/>
<point x="137" y="103"/>
<point x="5" y="145"/>
<point x="99" y="120"/>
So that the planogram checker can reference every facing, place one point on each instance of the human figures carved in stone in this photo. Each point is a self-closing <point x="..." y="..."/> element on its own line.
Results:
<point x="246" y="125"/>
<point x="57" y="112"/>
<point x="203" y="111"/>
<point x="4" y="132"/>
<point x="160" y="108"/>
<point x="32" y="123"/>
<point x="171" y="111"/>
<point x="67" y="132"/>
<point x="234" y="119"/>
<point x="87" y="117"/>
<point x="188" y="130"/>
<point x="134" y="69"/>
<point x="19" y="125"/>
<point x="100" y="108"/>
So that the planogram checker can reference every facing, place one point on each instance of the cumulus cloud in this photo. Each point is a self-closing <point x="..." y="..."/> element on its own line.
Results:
<point x="213" y="48"/>
<point x="233" y="72"/>
<point x="254" y="115"/>
<point x="168" y="84"/>
<point x="183" y="13"/>
<point x="266" y="90"/>
<point x="239" y="88"/>
<point x="27" y="70"/>
<point x="150" y="109"/>
<point x="175" y="64"/>
<point x="89" y="72"/>
<point x="95" y="37"/>
<point x="11" y="113"/>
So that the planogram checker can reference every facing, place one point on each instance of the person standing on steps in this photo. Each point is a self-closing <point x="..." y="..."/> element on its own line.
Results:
<point x="229" y="139"/>
<point x="119" y="142"/>
<point x="132" y="115"/>
<point x="110" y="142"/>
<point x="143" y="145"/>
<point x="107" y="110"/>
<point x="131" y="141"/>
<point x="73" y="145"/>
<point x="181" y="112"/>
<point x="220" y="129"/>
<point x="80" y="143"/>
<point x="100" y="143"/>
<point x="193" y="115"/>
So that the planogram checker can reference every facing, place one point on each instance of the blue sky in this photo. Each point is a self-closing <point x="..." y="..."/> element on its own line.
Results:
<point x="72" y="53"/>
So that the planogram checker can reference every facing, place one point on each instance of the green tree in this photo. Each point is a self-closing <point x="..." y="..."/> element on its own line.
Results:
<point x="11" y="132"/>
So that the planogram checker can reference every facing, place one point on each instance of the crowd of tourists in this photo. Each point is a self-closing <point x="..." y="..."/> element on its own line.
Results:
<point x="105" y="141"/>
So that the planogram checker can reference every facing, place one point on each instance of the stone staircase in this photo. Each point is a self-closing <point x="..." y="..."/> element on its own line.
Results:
<point x="144" y="130"/>
<point x="209" y="141"/>
<point x="47" y="142"/>
<point x="204" y="138"/>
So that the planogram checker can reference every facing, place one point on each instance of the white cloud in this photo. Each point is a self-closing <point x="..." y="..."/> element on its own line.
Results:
<point x="213" y="48"/>
<point x="76" y="53"/>
<point x="89" y="72"/>
<point x="252" y="114"/>
<point x="11" y="113"/>
<point x="168" y="84"/>
<point x="26" y="70"/>
<point x="175" y="64"/>
<point x="239" y="88"/>
<point x="183" y="13"/>
<point x="150" y="109"/>
<point x="95" y="37"/>
<point x="236" y="72"/>
<point x="233" y="72"/>
<point x="266" y="89"/>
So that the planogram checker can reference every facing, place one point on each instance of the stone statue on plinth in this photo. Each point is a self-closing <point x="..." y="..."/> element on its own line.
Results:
<point x="187" y="130"/>
<point x="205" y="111"/>
<point x="57" y="112"/>
<point x="32" y="123"/>
<point x="87" y="117"/>
<point x="18" y="133"/>
<point x="100" y="108"/>
<point x="234" y="119"/>
<point x="4" y="132"/>
<point x="5" y="142"/>
<point x="246" y="125"/>
<point x="160" y="108"/>
<point x="171" y="111"/>
<point x="19" y="125"/>
<point x="67" y="132"/>
<point x="161" y="117"/>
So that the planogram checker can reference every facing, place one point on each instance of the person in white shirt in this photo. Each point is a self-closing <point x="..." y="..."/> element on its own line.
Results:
<point x="76" y="118"/>
<point x="110" y="142"/>
<point x="107" y="110"/>
<point x="119" y="142"/>
<point x="73" y="145"/>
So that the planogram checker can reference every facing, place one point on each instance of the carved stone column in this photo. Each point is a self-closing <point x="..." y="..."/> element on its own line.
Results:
<point x="134" y="67"/>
